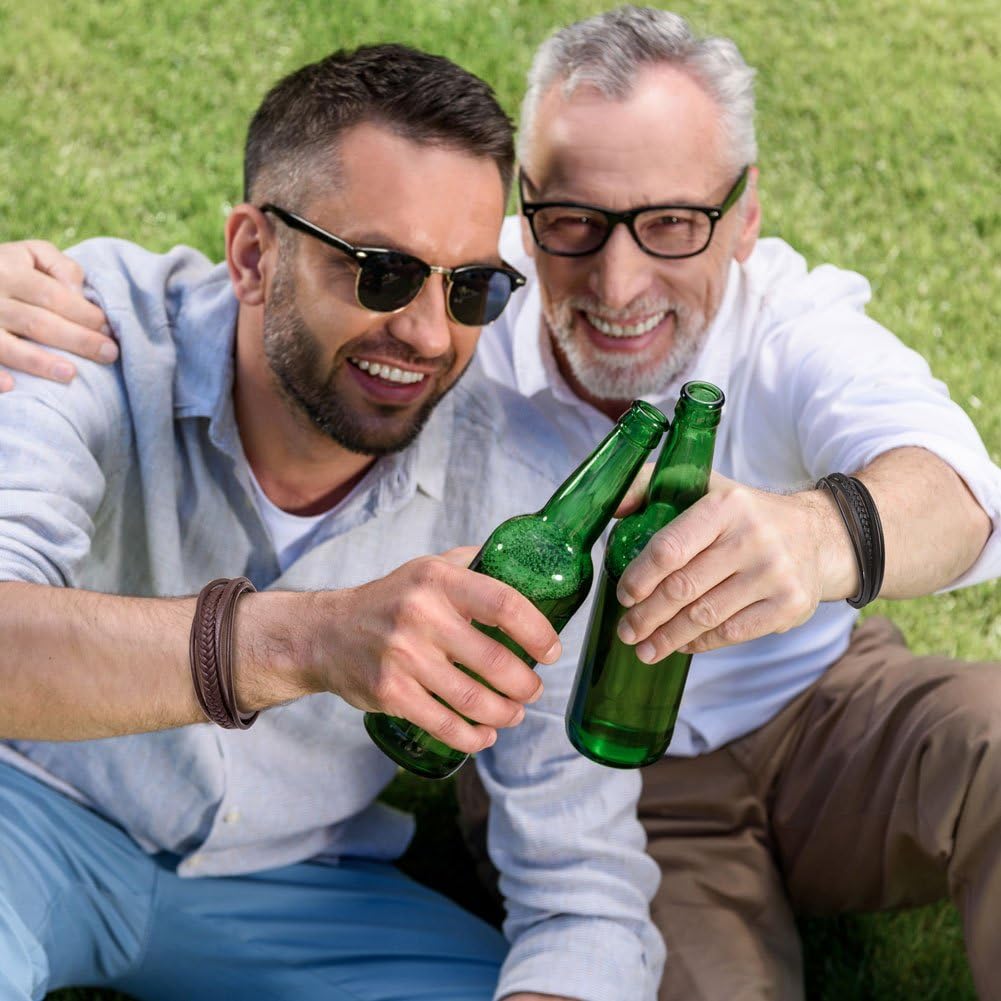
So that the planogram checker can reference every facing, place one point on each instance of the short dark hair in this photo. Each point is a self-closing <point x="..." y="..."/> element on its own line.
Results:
<point x="419" y="96"/>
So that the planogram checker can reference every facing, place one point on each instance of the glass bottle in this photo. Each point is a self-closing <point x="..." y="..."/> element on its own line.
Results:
<point x="621" y="711"/>
<point x="547" y="557"/>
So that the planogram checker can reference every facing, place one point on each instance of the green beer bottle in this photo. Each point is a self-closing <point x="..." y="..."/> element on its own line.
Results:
<point x="622" y="712"/>
<point x="547" y="557"/>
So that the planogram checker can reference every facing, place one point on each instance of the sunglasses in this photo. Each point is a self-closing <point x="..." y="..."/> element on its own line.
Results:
<point x="389" y="279"/>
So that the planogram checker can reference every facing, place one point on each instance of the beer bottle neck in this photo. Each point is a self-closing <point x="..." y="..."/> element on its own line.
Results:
<point x="584" y="504"/>
<point x="681" y="475"/>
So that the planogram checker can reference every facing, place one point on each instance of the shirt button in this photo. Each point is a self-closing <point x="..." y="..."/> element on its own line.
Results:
<point x="231" y="816"/>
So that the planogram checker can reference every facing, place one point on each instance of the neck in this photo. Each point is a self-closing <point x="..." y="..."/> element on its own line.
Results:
<point x="298" y="467"/>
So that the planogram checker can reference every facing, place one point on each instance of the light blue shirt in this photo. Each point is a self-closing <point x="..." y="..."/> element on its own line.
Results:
<point x="132" y="480"/>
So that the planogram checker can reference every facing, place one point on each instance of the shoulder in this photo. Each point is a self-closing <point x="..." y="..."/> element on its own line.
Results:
<point x="778" y="279"/>
<point x="129" y="281"/>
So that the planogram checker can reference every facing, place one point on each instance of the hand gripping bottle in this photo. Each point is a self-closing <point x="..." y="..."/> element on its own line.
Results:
<point x="547" y="557"/>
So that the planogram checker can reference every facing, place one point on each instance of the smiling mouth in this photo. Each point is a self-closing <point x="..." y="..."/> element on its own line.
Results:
<point x="625" y="330"/>
<point x="388" y="373"/>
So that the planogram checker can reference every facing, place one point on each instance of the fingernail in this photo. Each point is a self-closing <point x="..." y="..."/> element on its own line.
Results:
<point x="646" y="652"/>
<point x="491" y="740"/>
<point x="626" y="632"/>
<point x="106" y="330"/>
<point x="62" y="371"/>
<point x="6" y="382"/>
<point x="535" y="696"/>
<point x="108" y="352"/>
<point x="553" y="653"/>
<point x="624" y="599"/>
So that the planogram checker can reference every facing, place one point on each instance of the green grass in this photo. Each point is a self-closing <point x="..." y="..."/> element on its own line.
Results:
<point x="880" y="132"/>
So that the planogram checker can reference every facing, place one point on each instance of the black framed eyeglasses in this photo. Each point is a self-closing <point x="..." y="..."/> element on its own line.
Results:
<point x="388" y="280"/>
<point x="569" y="229"/>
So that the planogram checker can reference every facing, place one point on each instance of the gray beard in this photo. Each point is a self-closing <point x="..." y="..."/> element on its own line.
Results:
<point x="614" y="376"/>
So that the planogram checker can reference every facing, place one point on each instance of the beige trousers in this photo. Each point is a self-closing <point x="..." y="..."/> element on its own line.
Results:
<point x="878" y="787"/>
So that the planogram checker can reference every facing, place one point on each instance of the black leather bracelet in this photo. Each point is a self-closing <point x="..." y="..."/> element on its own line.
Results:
<point x="858" y="511"/>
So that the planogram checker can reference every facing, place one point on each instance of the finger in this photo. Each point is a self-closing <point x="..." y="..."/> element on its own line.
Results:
<point x="461" y="556"/>
<point x="749" y="623"/>
<point x="493" y="603"/>
<point x="706" y="614"/>
<point x="23" y="356"/>
<point x="414" y="703"/>
<point x="35" y="288"/>
<point x="50" y="259"/>
<point x="679" y="592"/>
<point x="502" y="681"/>
<point x="42" y="327"/>
<point x="636" y="492"/>
<point x="6" y="381"/>
<point x="694" y="530"/>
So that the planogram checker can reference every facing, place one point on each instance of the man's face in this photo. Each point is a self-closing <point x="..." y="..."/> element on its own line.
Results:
<point x="370" y="380"/>
<point x="624" y="323"/>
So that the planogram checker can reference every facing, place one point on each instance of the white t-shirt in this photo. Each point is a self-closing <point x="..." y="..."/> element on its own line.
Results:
<point x="292" y="534"/>
<point x="812" y="386"/>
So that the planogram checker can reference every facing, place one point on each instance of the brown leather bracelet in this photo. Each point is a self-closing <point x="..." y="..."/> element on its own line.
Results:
<point x="210" y="652"/>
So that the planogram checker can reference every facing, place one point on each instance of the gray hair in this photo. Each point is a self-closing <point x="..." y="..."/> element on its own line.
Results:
<point x="606" y="51"/>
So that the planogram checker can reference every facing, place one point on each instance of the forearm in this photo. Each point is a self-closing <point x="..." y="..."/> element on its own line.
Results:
<point x="933" y="527"/>
<point x="76" y="665"/>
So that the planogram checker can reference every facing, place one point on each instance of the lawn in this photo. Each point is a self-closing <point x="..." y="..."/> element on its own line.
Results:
<point x="880" y="135"/>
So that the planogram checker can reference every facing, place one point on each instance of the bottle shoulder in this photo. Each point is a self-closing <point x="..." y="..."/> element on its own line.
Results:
<point x="528" y="551"/>
<point x="633" y="532"/>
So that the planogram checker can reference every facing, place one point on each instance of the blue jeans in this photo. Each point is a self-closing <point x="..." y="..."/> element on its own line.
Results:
<point x="82" y="904"/>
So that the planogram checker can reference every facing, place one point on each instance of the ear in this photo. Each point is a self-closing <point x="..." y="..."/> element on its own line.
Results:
<point x="251" y="245"/>
<point x="750" y="225"/>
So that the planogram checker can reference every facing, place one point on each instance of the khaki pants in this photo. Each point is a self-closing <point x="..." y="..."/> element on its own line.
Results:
<point x="878" y="787"/>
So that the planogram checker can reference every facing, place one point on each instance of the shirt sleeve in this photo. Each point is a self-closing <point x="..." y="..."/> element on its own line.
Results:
<point x="853" y="391"/>
<point x="565" y="837"/>
<point x="55" y="454"/>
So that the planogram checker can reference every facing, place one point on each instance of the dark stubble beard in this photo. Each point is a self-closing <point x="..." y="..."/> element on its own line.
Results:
<point x="294" y="356"/>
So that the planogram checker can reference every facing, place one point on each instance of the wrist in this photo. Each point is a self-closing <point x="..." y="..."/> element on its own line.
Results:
<point x="838" y="568"/>
<point x="269" y="664"/>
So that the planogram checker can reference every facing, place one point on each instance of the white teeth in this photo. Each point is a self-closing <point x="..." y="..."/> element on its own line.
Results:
<point x="620" y="330"/>
<point x="388" y="372"/>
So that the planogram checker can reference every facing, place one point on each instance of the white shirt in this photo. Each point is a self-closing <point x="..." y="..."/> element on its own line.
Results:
<point x="812" y="386"/>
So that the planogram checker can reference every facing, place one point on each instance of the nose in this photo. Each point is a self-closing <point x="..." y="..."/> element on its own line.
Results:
<point x="424" y="322"/>
<point x="621" y="272"/>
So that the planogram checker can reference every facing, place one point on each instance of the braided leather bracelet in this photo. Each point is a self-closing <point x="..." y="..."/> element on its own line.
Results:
<point x="210" y="652"/>
<point x="858" y="512"/>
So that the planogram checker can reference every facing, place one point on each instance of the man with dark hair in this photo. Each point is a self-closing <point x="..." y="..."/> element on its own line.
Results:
<point x="293" y="420"/>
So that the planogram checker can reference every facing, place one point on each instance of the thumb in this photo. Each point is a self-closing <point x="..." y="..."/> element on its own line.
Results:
<point x="461" y="556"/>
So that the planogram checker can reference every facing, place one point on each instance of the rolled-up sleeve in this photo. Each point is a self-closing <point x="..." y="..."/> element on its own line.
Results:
<point x="571" y="852"/>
